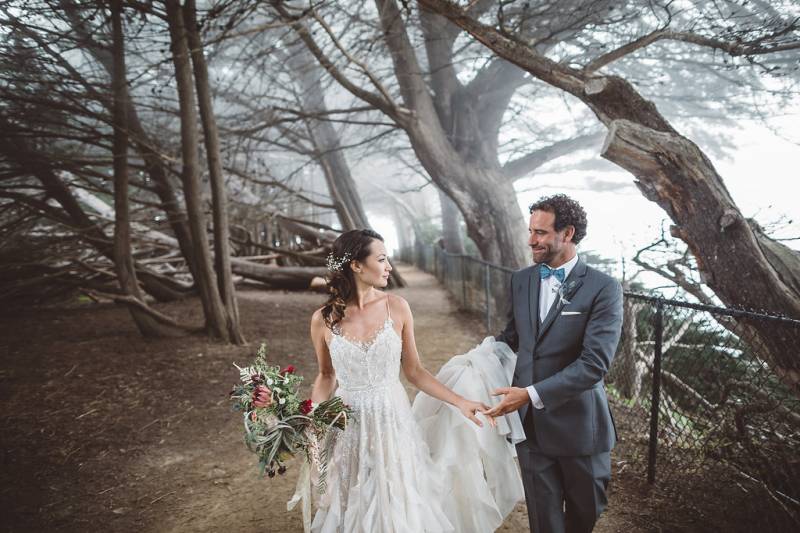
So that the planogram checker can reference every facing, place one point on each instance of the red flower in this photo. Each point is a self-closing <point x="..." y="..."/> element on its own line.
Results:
<point x="288" y="370"/>
<point x="306" y="407"/>
<point x="262" y="396"/>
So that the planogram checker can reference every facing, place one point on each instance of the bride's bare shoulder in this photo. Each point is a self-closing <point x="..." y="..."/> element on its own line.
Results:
<point x="398" y="305"/>
<point x="317" y="319"/>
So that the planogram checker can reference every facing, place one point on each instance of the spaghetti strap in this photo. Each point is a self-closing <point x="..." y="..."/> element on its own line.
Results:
<point x="388" y="312"/>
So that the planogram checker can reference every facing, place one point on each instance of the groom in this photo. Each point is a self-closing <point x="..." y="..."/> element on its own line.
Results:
<point x="564" y="324"/>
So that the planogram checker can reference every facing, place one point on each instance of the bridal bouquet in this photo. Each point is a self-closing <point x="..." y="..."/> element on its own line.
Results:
<point x="277" y="424"/>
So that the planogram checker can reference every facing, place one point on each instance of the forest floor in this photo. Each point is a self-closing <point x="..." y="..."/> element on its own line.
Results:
<point x="104" y="430"/>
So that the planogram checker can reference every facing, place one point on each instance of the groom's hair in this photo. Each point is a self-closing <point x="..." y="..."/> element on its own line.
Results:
<point x="568" y="212"/>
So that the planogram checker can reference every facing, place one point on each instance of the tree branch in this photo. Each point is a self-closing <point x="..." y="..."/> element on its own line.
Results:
<point x="734" y="49"/>
<point x="520" y="167"/>
<point x="375" y="100"/>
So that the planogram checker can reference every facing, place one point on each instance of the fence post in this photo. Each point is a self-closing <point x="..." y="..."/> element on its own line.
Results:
<point x="487" y="279"/>
<point x="658" y="326"/>
<point x="463" y="281"/>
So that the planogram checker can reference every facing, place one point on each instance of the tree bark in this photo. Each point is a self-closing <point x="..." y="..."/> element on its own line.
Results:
<point x="673" y="172"/>
<point x="213" y="306"/>
<point x="144" y="143"/>
<point x="219" y="200"/>
<point x="294" y="226"/>
<point x="628" y="371"/>
<point x="329" y="155"/>
<point x="294" y="278"/>
<point x="405" y="229"/>
<point x="454" y="128"/>
<point x="483" y="194"/>
<point x="123" y="259"/>
<point x="327" y="146"/>
<point x="451" y="230"/>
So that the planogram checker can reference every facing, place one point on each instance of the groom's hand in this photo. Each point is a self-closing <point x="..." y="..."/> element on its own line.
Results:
<point x="513" y="399"/>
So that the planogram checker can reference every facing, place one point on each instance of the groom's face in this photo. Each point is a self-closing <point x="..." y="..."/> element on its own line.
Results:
<point x="547" y="244"/>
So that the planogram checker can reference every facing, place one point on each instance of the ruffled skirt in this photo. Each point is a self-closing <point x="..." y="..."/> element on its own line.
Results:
<point x="427" y="469"/>
<point x="381" y="478"/>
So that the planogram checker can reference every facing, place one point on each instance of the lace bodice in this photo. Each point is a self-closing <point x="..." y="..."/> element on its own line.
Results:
<point x="381" y="475"/>
<point x="366" y="365"/>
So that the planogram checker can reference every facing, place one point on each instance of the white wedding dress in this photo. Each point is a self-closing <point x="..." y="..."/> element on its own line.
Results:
<point x="427" y="469"/>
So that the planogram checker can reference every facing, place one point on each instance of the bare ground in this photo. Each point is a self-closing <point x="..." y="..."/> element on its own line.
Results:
<point x="104" y="430"/>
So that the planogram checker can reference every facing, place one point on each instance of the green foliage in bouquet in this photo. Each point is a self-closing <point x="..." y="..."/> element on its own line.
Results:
<point x="278" y="425"/>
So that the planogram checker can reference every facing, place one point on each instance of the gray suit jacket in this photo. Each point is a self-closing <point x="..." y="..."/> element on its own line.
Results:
<point x="566" y="358"/>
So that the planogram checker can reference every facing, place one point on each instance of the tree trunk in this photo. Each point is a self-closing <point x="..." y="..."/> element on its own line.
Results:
<point x="451" y="221"/>
<point x="480" y="189"/>
<point x="306" y="231"/>
<point x="627" y="371"/>
<point x="485" y="197"/>
<point x="222" y="251"/>
<point x="341" y="185"/>
<point x="213" y="307"/>
<point x="15" y="148"/>
<point x="123" y="259"/>
<point x="294" y="278"/>
<point x="330" y="157"/>
<point x="735" y="261"/>
<point x="145" y="144"/>
<point x="405" y="229"/>
<point x="673" y="172"/>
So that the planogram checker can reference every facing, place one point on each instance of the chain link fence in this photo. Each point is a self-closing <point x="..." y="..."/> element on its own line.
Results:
<point x="478" y="286"/>
<point x="705" y="403"/>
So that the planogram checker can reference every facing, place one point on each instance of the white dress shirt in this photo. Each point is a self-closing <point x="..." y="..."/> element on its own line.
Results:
<point x="548" y="290"/>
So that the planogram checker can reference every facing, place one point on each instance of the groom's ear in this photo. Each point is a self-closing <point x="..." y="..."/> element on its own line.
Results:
<point x="569" y="233"/>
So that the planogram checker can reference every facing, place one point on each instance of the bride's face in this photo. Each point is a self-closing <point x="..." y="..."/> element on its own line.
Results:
<point x="375" y="268"/>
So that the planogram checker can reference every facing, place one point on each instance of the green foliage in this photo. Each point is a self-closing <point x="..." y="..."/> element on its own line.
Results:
<point x="282" y="425"/>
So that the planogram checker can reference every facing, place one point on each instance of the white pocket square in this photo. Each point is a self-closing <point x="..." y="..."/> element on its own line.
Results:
<point x="571" y="312"/>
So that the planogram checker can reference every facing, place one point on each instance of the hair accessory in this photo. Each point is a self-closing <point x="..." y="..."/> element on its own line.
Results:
<point x="334" y="264"/>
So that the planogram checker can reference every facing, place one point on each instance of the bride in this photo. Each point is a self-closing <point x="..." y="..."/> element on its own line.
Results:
<point x="398" y="469"/>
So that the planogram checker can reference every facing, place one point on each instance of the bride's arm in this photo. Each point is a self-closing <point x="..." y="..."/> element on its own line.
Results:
<point x="418" y="375"/>
<point x="325" y="383"/>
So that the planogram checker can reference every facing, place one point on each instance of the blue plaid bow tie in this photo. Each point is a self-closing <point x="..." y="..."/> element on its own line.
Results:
<point x="545" y="272"/>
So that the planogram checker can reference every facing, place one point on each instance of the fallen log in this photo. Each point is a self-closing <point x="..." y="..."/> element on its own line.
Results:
<point x="291" y="278"/>
<point x="313" y="232"/>
<point x="315" y="257"/>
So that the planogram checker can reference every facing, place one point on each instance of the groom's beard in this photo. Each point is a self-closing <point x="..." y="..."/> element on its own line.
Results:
<point x="545" y="255"/>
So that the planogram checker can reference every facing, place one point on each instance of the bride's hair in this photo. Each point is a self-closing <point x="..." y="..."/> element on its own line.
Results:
<point x="353" y="245"/>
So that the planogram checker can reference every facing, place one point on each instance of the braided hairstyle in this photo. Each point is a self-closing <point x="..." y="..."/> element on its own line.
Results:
<point x="353" y="245"/>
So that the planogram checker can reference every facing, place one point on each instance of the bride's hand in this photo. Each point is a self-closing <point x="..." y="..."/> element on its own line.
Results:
<point x="469" y="408"/>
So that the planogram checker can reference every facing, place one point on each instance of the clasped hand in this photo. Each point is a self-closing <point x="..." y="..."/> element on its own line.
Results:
<point x="469" y="408"/>
<point x="513" y="399"/>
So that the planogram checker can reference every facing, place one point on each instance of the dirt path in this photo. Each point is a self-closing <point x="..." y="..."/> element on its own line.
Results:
<point x="105" y="430"/>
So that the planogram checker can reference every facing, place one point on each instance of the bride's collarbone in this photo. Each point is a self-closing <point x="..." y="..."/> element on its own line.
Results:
<point x="363" y="332"/>
<point x="365" y="323"/>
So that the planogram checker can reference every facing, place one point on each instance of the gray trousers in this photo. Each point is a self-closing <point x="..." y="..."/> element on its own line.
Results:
<point x="564" y="494"/>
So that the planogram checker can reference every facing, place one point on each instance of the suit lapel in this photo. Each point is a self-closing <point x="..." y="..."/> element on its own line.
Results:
<point x="534" y="282"/>
<point x="576" y="277"/>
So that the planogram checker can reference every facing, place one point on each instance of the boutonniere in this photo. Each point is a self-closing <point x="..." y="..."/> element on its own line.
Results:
<point x="565" y="292"/>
